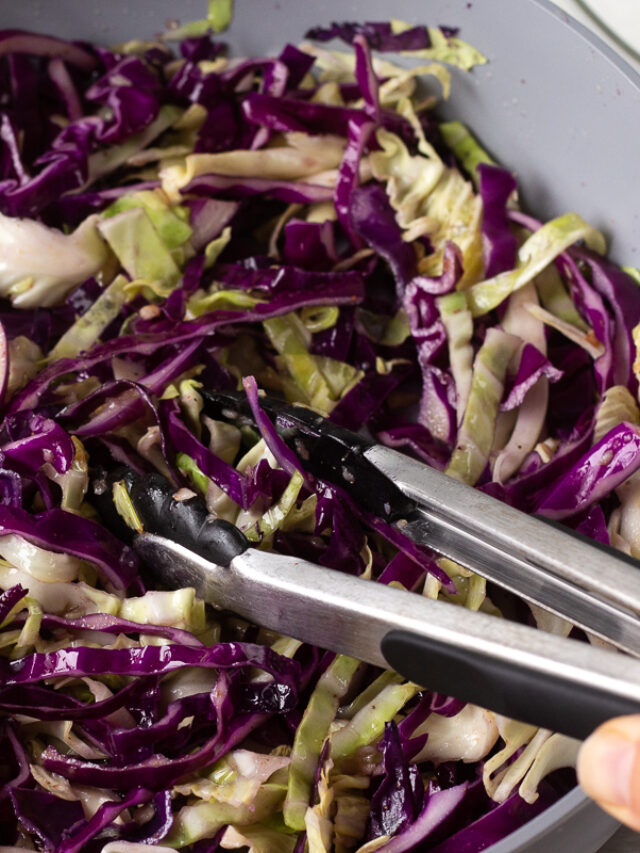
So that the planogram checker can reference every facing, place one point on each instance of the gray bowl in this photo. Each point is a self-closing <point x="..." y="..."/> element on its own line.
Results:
<point x="554" y="104"/>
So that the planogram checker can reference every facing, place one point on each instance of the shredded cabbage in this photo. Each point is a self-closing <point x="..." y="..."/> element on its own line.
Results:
<point x="176" y="221"/>
<point x="40" y="265"/>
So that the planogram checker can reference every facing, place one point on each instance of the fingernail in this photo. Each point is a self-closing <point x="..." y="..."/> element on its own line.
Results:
<point x="605" y="767"/>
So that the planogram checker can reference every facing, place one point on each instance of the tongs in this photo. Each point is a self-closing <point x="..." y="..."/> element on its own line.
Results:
<point x="562" y="684"/>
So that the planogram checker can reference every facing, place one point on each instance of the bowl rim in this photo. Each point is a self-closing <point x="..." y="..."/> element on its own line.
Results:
<point x="566" y="814"/>
<point x="589" y="35"/>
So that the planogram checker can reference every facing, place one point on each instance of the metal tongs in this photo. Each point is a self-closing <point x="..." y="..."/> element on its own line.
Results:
<point x="533" y="676"/>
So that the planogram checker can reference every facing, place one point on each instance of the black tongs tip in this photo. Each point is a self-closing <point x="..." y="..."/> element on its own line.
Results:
<point x="329" y="452"/>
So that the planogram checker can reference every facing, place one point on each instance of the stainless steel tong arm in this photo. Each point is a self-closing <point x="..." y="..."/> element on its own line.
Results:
<point x="561" y="684"/>
<point x="568" y="575"/>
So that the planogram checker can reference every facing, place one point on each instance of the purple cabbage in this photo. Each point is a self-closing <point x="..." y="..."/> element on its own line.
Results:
<point x="130" y="404"/>
<point x="15" y="762"/>
<point x="38" y="441"/>
<point x="222" y="129"/>
<point x="11" y="165"/>
<point x="339" y="289"/>
<point x="366" y="78"/>
<point x="499" y="244"/>
<point x="25" y="88"/>
<point x="590" y="305"/>
<point x="403" y="570"/>
<point x="399" y="798"/>
<point x="336" y="342"/>
<point x="359" y="404"/>
<point x="419" y="298"/>
<point x="10" y="488"/>
<point x="310" y="245"/>
<point x="436" y="818"/>
<point x="73" y="208"/>
<point x="417" y="441"/>
<point x="280" y="280"/>
<point x="419" y="554"/>
<point x="298" y="64"/>
<point x="346" y="536"/>
<point x="373" y="219"/>
<point x="49" y="818"/>
<point x="107" y="624"/>
<point x="428" y="703"/>
<point x="19" y="41"/>
<point x="201" y="48"/>
<point x="392" y="534"/>
<point x="496" y="824"/>
<point x="438" y="401"/>
<point x="359" y="130"/>
<point x="127" y="397"/>
<point x="64" y="168"/>
<point x="622" y="294"/>
<point x="167" y="734"/>
<point x="288" y="114"/>
<point x="592" y="524"/>
<point x="293" y="192"/>
<point x="63" y="81"/>
<point x="145" y="660"/>
<point x="9" y="598"/>
<point x="285" y="457"/>
<point x="604" y="467"/>
<point x="157" y="827"/>
<point x="43" y="703"/>
<point x="378" y="35"/>
<point x="527" y="489"/>
<point x="208" y="218"/>
<point x="533" y="365"/>
<point x="75" y="841"/>
<point x="64" y="532"/>
<point x="130" y="91"/>
<point x="160" y="772"/>
<point x="239" y="488"/>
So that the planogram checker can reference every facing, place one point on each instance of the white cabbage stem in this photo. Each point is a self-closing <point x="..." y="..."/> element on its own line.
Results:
<point x="45" y="566"/>
<point x="39" y="266"/>
<point x="467" y="736"/>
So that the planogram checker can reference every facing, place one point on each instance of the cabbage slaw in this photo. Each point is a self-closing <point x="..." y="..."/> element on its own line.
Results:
<point x="305" y="224"/>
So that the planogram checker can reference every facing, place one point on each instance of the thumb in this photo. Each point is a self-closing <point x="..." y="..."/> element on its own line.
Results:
<point x="609" y="768"/>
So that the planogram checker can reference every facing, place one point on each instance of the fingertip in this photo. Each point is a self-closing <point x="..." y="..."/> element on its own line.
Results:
<point x="609" y="768"/>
